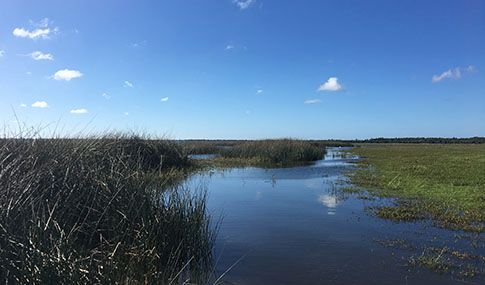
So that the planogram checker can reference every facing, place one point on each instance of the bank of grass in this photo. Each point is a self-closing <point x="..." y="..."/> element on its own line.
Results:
<point x="100" y="210"/>
<point x="269" y="153"/>
<point x="441" y="183"/>
<point x="208" y="146"/>
<point x="221" y="146"/>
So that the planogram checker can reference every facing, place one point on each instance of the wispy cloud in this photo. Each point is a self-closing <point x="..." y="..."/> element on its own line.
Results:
<point x="235" y="47"/>
<point x="259" y="91"/>
<point x="331" y="85"/>
<point x="106" y="96"/>
<point x="128" y="84"/>
<point x="42" y="30"/>
<point x="127" y="114"/>
<point x="312" y="101"/>
<point x="164" y="99"/>
<point x="37" y="55"/>
<point x="243" y="4"/>
<point x="40" y="104"/>
<point x="67" y="74"/>
<point x="452" y="74"/>
<point x="2" y="53"/>
<point x="79" y="111"/>
<point x="471" y="68"/>
<point x="139" y="44"/>
<point x="44" y="23"/>
<point x="23" y="105"/>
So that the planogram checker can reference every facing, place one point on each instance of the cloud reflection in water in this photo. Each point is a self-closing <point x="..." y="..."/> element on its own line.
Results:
<point x="329" y="201"/>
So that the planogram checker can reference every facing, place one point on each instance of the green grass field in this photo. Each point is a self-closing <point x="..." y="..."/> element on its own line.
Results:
<point x="443" y="183"/>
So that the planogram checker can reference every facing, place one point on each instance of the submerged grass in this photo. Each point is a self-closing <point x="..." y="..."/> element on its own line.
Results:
<point x="443" y="183"/>
<point x="100" y="210"/>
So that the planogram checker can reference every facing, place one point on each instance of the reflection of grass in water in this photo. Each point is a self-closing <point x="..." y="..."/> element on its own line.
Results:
<point x="94" y="211"/>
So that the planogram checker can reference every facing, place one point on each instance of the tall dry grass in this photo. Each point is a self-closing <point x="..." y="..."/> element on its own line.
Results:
<point x="99" y="210"/>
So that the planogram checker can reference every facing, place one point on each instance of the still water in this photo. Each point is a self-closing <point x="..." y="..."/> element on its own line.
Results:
<point x="289" y="226"/>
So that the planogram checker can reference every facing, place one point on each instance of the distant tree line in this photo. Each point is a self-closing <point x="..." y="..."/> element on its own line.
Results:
<point x="473" y="140"/>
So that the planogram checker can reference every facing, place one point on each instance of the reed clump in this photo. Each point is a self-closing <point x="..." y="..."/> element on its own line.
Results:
<point x="281" y="152"/>
<point x="99" y="210"/>
<point x="208" y="146"/>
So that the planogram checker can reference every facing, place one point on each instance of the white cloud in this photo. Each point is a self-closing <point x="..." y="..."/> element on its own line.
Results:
<point x="127" y="114"/>
<point x="312" y="101"/>
<point x="446" y="74"/>
<point x="23" y="33"/>
<point x="164" y="99"/>
<point x="40" y="104"/>
<point x="106" y="96"/>
<point x="259" y="91"/>
<point x="331" y="85"/>
<point x="2" y="53"/>
<point x="228" y="47"/>
<point x="452" y="74"/>
<point x="79" y="111"/>
<point x="23" y="105"/>
<point x="243" y="4"/>
<point x="41" y="30"/>
<point x="28" y="73"/>
<point x="67" y="74"/>
<point x="37" y="55"/>
<point x="128" y="84"/>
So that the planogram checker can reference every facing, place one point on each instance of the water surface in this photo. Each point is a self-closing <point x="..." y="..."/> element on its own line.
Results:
<point x="290" y="226"/>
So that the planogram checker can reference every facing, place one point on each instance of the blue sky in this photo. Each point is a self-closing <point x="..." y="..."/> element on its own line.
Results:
<point x="245" y="69"/>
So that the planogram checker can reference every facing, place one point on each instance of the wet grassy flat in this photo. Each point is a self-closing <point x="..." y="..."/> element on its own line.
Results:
<point x="443" y="183"/>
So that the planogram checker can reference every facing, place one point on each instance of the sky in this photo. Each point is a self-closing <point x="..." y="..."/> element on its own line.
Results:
<point x="244" y="69"/>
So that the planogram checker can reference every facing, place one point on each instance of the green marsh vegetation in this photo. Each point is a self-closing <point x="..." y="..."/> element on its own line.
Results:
<point x="100" y="210"/>
<point x="444" y="183"/>
<point x="280" y="153"/>
<point x="261" y="153"/>
<point x="208" y="146"/>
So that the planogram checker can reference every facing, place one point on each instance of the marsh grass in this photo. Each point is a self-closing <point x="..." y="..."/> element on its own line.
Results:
<point x="441" y="183"/>
<point x="208" y="146"/>
<point x="272" y="153"/>
<point x="100" y="210"/>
